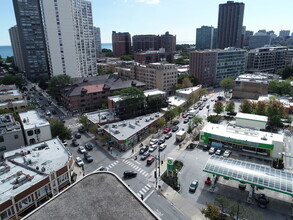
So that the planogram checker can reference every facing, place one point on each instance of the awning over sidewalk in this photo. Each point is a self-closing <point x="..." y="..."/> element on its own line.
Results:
<point x="251" y="173"/>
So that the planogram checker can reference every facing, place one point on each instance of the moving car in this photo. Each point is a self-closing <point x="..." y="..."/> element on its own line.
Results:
<point x="81" y="149"/>
<point x="77" y="135"/>
<point x="212" y="150"/>
<point x="218" y="152"/>
<point x="193" y="186"/>
<point x="162" y="147"/>
<point x="81" y="129"/>
<point x="242" y="185"/>
<point x="143" y="149"/>
<point x="79" y="161"/>
<point x="89" y="146"/>
<point x="150" y="160"/>
<point x="167" y="136"/>
<point x="64" y="143"/>
<point x="175" y="128"/>
<point x="129" y="174"/>
<point x="145" y="156"/>
<point x="167" y="130"/>
<point x="227" y="153"/>
<point x="153" y="148"/>
<point x="88" y="157"/>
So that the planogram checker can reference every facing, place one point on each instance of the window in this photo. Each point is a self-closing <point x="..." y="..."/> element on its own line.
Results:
<point x="37" y="131"/>
<point x="30" y="132"/>
<point x="2" y="148"/>
<point x="16" y="136"/>
<point x="25" y="202"/>
<point x="63" y="178"/>
<point x="1" y="139"/>
<point x="42" y="191"/>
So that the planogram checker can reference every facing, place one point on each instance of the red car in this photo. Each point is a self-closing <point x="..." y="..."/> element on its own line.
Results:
<point x="185" y="115"/>
<point x="167" y="130"/>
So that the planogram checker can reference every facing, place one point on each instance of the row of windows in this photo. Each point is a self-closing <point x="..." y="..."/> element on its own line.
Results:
<point x="2" y="138"/>
<point x="31" y="132"/>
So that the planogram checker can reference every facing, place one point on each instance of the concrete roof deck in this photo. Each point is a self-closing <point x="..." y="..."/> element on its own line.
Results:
<point x="188" y="90"/>
<point x="176" y="100"/>
<point x="251" y="117"/>
<point x="36" y="160"/>
<point x="32" y="119"/>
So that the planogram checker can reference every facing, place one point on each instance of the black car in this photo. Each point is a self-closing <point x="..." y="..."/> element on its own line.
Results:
<point x="77" y="135"/>
<point x="205" y="147"/>
<point x="175" y="128"/>
<point x="75" y="143"/>
<point x="88" y="146"/>
<point x="262" y="200"/>
<point x="143" y="149"/>
<point x="161" y="141"/>
<point x="88" y="157"/>
<point x="167" y="136"/>
<point x="176" y="122"/>
<point x="81" y="129"/>
<point x="145" y="156"/>
<point x="129" y="174"/>
<point x="54" y="112"/>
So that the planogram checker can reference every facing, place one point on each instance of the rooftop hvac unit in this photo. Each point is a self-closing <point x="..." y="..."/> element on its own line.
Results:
<point x="106" y="126"/>
<point x="116" y="131"/>
<point x="131" y="125"/>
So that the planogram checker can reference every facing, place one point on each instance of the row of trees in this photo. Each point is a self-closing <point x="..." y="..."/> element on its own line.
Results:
<point x="286" y="72"/>
<point x="186" y="81"/>
<point x="280" y="87"/>
<point x="219" y="107"/>
<point x="10" y="79"/>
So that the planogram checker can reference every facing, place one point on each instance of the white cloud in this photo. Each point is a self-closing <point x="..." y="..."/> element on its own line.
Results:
<point x="151" y="2"/>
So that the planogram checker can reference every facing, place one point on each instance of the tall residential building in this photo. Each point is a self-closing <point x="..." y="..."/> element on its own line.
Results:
<point x="70" y="38"/>
<point x="97" y="35"/>
<point x="168" y="42"/>
<point x="206" y="38"/>
<point x="121" y="43"/>
<point x="230" y="22"/>
<point x="284" y="33"/>
<point x="210" y="67"/>
<point x="246" y="37"/>
<point x="32" y="39"/>
<point x="143" y="43"/>
<point x="259" y="40"/>
<point x="267" y="59"/>
<point x="16" y="46"/>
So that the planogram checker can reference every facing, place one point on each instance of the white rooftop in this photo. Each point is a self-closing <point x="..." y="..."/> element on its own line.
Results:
<point x="14" y="92"/>
<point x="283" y="100"/>
<point x="188" y="90"/>
<point x="125" y="129"/>
<point x="176" y="100"/>
<point x="101" y="116"/>
<point x="252" y="117"/>
<point x="35" y="161"/>
<point x="22" y="101"/>
<point x="242" y="133"/>
<point x="32" y="119"/>
<point x="252" y="78"/>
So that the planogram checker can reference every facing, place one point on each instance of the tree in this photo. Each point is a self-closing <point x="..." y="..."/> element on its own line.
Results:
<point x="84" y="121"/>
<point x="193" y="123"/>
<point x="286" y="72"/>
<point x="280" y="87"/>
<point x="212" y="211"/>
<point x="230" y="107"/>
<point x="227" y="84"/>
<point x="224" y="203"/>
<point x="58" y="129"/>
<point x="218" y="107"/>
<point x="161" y="122"/>
<point x="202" y="92"/>
<point x="58" y="82"/>
<point x="127" y="57"/>
<point x="275" y="111"/>
<point x="192" y="79"/>
<point x="170" y="114"/>
<point x="10" y="79"/>
<point x="246" y="106"/>
<point x="260" y="108"/>
<point x="154" y="104"/>
<point x="43" y="84"/>
<point x="186" y="83"/>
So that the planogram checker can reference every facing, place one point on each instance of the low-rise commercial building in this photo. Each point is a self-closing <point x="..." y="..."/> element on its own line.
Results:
<point x="154" y="56"/>
<point x="251" y="120"/>
<point x="35" y="128"/>
<point x="188" y="92"/>
<point x="11" y="98"/>
<point x="11" y="136"/>
<point x="125" y="134"/>
<point x="29" y="175"/>
<point x="243" y="139"/>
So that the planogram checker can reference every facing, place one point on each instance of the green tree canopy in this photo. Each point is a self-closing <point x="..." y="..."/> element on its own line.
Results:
<point x="58" y="82"/>
<point x="280" y="87"/>
<point x="10" y="79"/>
<point x="211" y="212"/>
<point x="275" y="111"/>
<point x="58" y="129"/>
<point x="127" y="57"/>
<point x="246" y="106"/>
<point x="192" y="79"/>
<point x="227" y="84"/>
<point x="286" y="72"/>
<point x="154" y="104"/>
<point x="218" y="107"/>
<point x="84" y="121"/>
<point x="230" y="107"/>
<point x="260" y="108"/>
<point x="186" y="83"/>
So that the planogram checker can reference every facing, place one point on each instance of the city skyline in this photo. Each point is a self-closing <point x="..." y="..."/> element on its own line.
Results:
<point x="180" y="18"/>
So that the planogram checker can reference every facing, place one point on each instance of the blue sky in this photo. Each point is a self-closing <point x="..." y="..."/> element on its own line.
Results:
<point x="179" y="17"/>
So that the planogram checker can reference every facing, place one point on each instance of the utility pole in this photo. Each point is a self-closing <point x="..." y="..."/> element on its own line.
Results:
<point x="159" y="164"/>
<point x="156" y="173"/>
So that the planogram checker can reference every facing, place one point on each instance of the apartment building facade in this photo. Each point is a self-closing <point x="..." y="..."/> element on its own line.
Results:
<point x="121" y="43"/>
<point x="16" y="47"/>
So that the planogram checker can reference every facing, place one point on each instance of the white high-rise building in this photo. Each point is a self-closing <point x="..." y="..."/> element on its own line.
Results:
<point x="69" y="34"/>
<point x="97" y="35"/>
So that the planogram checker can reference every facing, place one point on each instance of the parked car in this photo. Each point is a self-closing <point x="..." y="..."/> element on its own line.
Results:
<point x="161" y="140"/>
<point x="262" y="200"/>
<point x="145" y="156"/>
<point x="81" y="129"/>
<point x="201" y="107"/>
<point x="64" y="143"/>
<point x="81" y="149"/>
<point x="176" y="122"/>
<point x="242" y="185"/>
<point x="153" y="141"/>
<point x="150" y="160"/>
<point x="205" y="147"/>
<point x="54" y="112"/>
<point x="212" y="150"/>
<point x="153" y="148"/>
<point x="79" y="161"/>
<point x="167" y="130"/>
<point x="162" y="147"/>
<point x="193" y="186"/>
<point x="88" y="157"/>
<point x="167" y="136"/>
<point x="218" y="152"/>
<point x="89" y="146"/>
<point x="75" y="143"/>
<point x="77" y="135"/>
<point x="186" y="120"/>
<point x="129" y="174"/>
<point x="185" y="115"/>
<point x="175" y="128"/>
<point x="227" y="153"/>
<point x="143" y="149"/>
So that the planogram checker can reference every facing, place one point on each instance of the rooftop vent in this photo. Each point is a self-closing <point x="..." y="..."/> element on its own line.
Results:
<point x="131" y="125"/>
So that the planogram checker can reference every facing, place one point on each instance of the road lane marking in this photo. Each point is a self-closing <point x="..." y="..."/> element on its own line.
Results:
<point x="142" y="172"/>
<point x="138" y="169"/>
<point x="141" y="192"/>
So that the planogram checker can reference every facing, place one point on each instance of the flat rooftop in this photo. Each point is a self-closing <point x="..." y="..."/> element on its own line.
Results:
<point x="242" y="133"/>
<point x="101" y="116"/>
<point x="176" y="100"/>
<point x="13" y="92"/>
<point x="22" y="101"/>
<point x="188" y="90"/>
<point x="35" y="162"/>
<point x="99" y="195"/>
<point x="252" y="78"/>
<point x="286" y="102"/>
<point x="32" y="119"/>
<point x="8" y="123"/>
<point x="251" y="117"/>
<point x="125" y="129"/>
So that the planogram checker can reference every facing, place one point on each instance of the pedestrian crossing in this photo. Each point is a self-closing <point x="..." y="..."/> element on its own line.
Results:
<point x="144" y="190"/>
<point x="112" y="165"/>
<point x="136" y="167"/>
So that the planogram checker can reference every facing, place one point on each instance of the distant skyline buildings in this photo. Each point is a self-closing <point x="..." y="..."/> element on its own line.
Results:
<point x="16" y="47"/>
<point x="206" y="37"/>
<point x="230" y="23"/>
<point x="121" y="43"/>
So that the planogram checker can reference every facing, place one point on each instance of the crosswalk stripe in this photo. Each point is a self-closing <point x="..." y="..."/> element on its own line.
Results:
<point x="141" y="192"/>
<point x="142" y="171"/>
<point x="138" y="194"/>
<point x="135" y="166"/>
<point x="146" y="188"/>
<point x="146" y="174"/>
<point x="138" y="169"/>
<point x="149" y="185"/>
<point x="110" y="166"/>
<point x="132" y="165"/>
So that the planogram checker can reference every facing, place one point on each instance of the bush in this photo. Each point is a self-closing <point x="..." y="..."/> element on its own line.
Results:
<point x="214" y="119"/>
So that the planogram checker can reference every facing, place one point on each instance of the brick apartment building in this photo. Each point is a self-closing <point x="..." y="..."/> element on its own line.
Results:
<point x="88" y="94"/>
<point x="154" y="56"/>
<point x="121" y="43"/>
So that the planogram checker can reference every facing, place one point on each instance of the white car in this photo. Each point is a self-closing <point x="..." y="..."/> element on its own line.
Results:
<point x="153" y="141"/>
<point x="81" y="149"/>
<point x="227" y="153"/>
<point x="79" y="161"/>
<point x="153" y="148"/>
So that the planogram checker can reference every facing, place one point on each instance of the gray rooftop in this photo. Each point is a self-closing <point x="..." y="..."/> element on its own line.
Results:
<point x="99" y="195"/>
<point x="32" y="119"/>
<point x="8" y="123"/>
